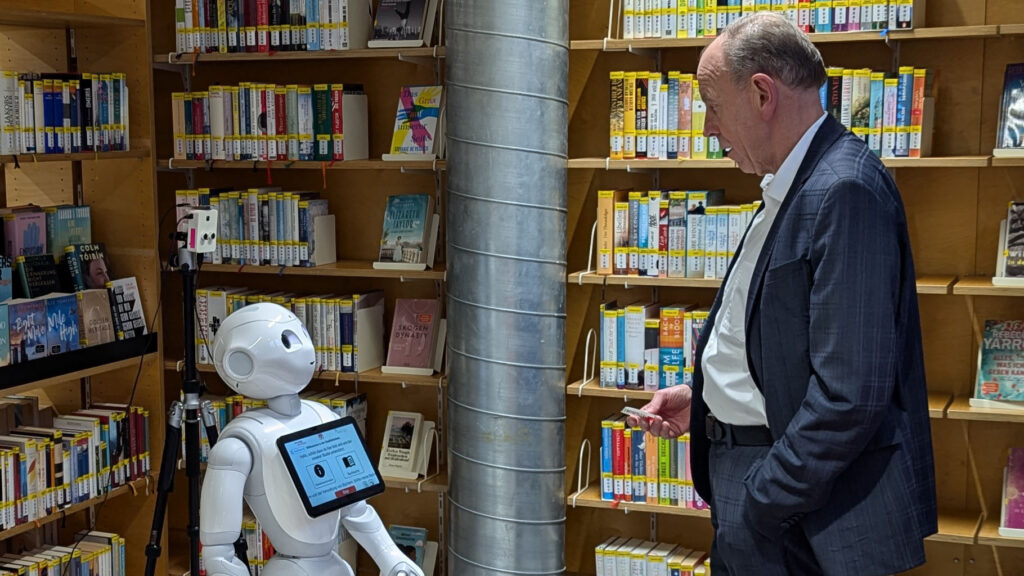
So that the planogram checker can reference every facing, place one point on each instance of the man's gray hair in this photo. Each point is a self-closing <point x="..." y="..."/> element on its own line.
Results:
<point x="767" y="43"/>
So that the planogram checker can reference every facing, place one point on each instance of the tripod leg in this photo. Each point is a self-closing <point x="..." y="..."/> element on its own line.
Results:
<point x="192" y="472"/>
<point x="165" y="485"/>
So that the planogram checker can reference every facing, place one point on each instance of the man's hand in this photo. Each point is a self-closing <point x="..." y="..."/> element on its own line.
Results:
<point x="672" y="409"/>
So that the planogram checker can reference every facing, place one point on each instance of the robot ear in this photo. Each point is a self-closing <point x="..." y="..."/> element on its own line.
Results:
<point x="239" y="364"/>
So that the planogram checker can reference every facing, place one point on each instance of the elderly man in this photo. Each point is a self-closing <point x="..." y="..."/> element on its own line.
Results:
<point x="808" y="414"/>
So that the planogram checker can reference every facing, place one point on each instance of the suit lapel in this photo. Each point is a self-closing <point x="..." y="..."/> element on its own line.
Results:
<point x="829" y="131"/>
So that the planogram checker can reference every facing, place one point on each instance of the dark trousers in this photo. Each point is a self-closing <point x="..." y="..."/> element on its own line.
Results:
<point x="738" y="550"/>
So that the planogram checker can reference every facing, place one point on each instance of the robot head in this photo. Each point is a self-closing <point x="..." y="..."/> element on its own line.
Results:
<point x="263" y="351"/>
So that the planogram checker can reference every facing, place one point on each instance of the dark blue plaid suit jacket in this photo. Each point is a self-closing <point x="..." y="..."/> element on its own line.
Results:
<point x="833" y="342"/>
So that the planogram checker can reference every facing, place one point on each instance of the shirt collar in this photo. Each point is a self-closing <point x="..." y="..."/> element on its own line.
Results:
<point x="776" y="186"/>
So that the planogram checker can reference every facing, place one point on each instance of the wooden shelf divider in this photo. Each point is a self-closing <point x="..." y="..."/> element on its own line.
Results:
<point x="933" y="284"/>
<point x="642" y="165"/>
<point x="134" y="487"/>
<point x="373" y="164"/>
<point x="960" y="409"/>
<point x="137" y="152"/>
<point x="435" y="483"/>
<point x="982" y="286"/>
<point x="957" y="527"/>
<point x="591" y="498"/>
<point x="594" y="390"/>
<point x="989" y="534"/>
<point x="31" y="15"/>
<point x="938" y="402"/>
<point x="403" y="54"/>
<point x="369" y="376"/>
<point x="340" y="269"/>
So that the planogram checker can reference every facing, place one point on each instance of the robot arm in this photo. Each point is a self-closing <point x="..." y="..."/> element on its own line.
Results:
<point x="362" y="521"/>
<point x="220" y="521"/>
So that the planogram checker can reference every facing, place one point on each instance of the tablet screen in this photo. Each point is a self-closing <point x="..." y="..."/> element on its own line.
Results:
<point x="330" y="466"/>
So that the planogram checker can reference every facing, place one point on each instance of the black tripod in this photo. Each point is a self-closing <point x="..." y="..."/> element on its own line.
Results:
<point x="192" y="410"/>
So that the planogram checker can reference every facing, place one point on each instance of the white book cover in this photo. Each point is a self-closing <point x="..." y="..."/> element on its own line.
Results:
<point x="710" y="242"/>
<point x="627" y="19"/>
<point x="654" y="115"/>
<point x="417" y="120"/>
<point x="399" y="451"/>
<point x="636" y="315"/>
<point x="368" y="330"/>
<point x="403" y="23"/>
<point x="217" y="122"/>
<point x="722" y="249"/>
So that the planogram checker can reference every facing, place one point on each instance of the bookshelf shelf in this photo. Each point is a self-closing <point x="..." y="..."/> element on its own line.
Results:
<point x="982" y="286"/>
<point x="1008" y="162"/>
<point x="957" y="527"/>
<point x="643" y="165"/>
<point x="340" y="269"/>
<point x="406" y="166"/>
<point x="1011" y="29"/>
<point x="937" y="404"/>
<point x="436" y="483"/>
<point x="945" y="32"/>
<point x="140" y="485"/>
<point x="591" y="498"/>
<point x="594" y="390"/>
<point x="938" y="284"/>
<point x="16" y="13"/>
<point x="411" y="55"/>
<point x="137" y="152"/>
<point x="369" y="376"/>
<point x="961" y="409"/>
<point x="75" y="365"/>
<point x="989" y="534"/>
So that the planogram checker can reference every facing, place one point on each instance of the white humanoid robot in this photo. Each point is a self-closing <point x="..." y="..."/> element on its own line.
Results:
<point x="263" y="351"/>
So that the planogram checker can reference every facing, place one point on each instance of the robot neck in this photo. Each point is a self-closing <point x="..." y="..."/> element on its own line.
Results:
<point x="287" y="404"/>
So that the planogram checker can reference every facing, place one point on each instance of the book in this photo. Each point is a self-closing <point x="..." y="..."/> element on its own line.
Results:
<point x="408" y="233"/>
<point x="126" y="308"/>
<point x="67" y="225"/>
<point x="95" y="325"/>
<point x="6" y="279"/>
<point x="403" y="23"/>
<point x="1011" y="519"/>
<point x="1010" y="129"/>
<point x="5" y="336"/>
<point x="1000" y="379"/>
<point x="414" y="336"/>
<point x="25" y="233"/>
<point x="417" y="124"/>
<point x="62" y="333"/>
<point x="411" y="540"/>
<point x="27" y="326"/>
<point x="1010" y="256"/>
<point x="37" y="275"/>
<point x="399" y="452"/>
<point x="87" y="266"/>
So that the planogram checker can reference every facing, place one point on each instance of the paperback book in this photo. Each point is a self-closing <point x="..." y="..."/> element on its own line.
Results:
<point x="1000" y="381"/>
<point x="1012" y="510"/>
<point x="403" y="23"/>
<point x="1010" y="129"/>
<point x="418" y="133"/>
<point x="409" y="233"/>
<point x="416" y="335"/>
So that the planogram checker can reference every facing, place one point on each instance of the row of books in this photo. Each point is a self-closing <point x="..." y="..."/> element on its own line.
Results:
<point x="229" y="26"/>
<point x="32" y="230"/>
<point x="46" y="326"/>
<point x="708" y="18"/>
<point x="257" y="121"/>
<point x="621" y="556"/>
<point x="77" y="457"/>
<point x="347" y="330"/>
<point x="82" y="267"/>
<point x="227" y="408"/>
<point x="893" y="114"/>
<point x="637" y="466"/>
<point x="265" y="226"/>
<point x="668" y="234"/>
<point x="63" y="113"/>
<point x="647" y="347"/>
<point x="93" y="553"/>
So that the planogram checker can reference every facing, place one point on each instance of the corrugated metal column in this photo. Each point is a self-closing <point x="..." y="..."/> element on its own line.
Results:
<point x="507" y="113"/>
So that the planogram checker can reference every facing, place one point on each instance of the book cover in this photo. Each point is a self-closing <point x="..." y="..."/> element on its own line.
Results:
<point x="401" y="438"/>
<point x="67" y="225"/>
<point x="37" y="275"/>
<point x="411" y="540"/>
<point x="399" y="20"/>
<point x="126" y="307"/>
<point x="416" y="122"/>
<point x="25" y="233"/>
<point x="27" y="326"/>
<point x="87" y="266"/>
<point x="1013" y="493"/>
<point x="95" y="325"/>
<point x="5" y="336"/>
<point x="6" y="279"/>
<point x="1001" y="363"/>
<point x="1013" y="250"/>
<point x="413" y="333"/>
<point x="62" y="333"/>
<point x="1010" y="130"/>
<point x="404" y="235"/>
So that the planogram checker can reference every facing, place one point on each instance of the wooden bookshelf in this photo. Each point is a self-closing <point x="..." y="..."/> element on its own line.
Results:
<point x="645" y="165"/>
<point x="1011" y="29"/>
<point x="436" y="483"/>
<point x="957" y="527"/>
<point x="16" y="13"/>
<point x="593" y="389"/>
<point x="937" y="284"/>
<point x="400" y="54"/>
<point x="591" y="498"/>
<point x="1007" y="161"/>
<point x="365" y="165"/>
<point x="137" y="151"/>
<point x="961" y="409"/>
<point x="937" y="404"/>
<point x="929" y="33"/>
<point x="989" y="534"/>
<point x="370" y="376"/>
<point x="341" y="269"/>
<point x="982" y="286"/>
<point x="136" y="487"/>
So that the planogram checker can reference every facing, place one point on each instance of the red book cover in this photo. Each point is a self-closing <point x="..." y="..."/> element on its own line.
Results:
<point x="663" y="239"/>
<point x="618" y="458"/>
<point x="250" y="25"/>
<point x="627" y="465"/>
<point x="337" y="131"/>
<point x="280" y="113"/>
<point x="262" y="26"/>
<point x="413" y="333"/>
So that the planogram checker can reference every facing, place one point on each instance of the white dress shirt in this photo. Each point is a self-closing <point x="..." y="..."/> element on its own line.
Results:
<point x="729" y="389"/>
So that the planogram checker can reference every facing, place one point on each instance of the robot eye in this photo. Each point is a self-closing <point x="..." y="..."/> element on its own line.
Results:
<point x="290" y="339"/>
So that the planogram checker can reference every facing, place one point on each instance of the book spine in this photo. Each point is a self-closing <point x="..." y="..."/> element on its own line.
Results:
<point x="337" y="127"/>
<point x="263" y="25"/>
<point x="629" y="115"/>
<point x="917" y="112"/>
<point x="904" y="103"/>
<point x="616" y="115"/>
<point x="322" y="115"/>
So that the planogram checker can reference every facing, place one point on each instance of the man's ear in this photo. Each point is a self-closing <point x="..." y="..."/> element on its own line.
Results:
<point x="764" y="93"/>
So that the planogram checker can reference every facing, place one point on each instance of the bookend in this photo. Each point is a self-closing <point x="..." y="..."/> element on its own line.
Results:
<point x="189" y="257"/>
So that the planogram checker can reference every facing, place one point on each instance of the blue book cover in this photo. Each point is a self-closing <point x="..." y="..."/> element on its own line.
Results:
<point x="670" y="365"/>
<point x="67" y="225"/>
<point x="411" y="540"/>
<point x="1001" y="362"/>
<point x="6" y="279"/>
<point x="312" y="32"/>
<point x="5" y="338"/>
<point x="61" y="323"/>
<point x="607" y="485"/>
<point x="875" y="118"/>
<point x="904" y="103"/>
<point x="60" y="142"/>
<point x="404" y="235"/>
<point x="27" y="325"/>
<point x="620" y="352"/>
<point x="639" y="465"/>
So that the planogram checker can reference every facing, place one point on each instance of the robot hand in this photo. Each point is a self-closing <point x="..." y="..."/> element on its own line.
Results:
<point x="362" y="521"/>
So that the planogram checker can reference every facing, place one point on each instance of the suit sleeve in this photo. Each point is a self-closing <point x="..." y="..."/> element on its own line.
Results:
<point x="855" y="256"/>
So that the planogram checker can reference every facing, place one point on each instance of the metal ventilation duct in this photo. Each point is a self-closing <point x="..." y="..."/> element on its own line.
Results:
<point x="507" y="115"/>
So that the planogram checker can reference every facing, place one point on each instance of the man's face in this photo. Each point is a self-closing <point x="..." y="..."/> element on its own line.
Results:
<point x="732" y="114"/>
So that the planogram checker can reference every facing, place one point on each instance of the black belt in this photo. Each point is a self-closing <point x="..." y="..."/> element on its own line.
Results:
<point x="733" y="435"/>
